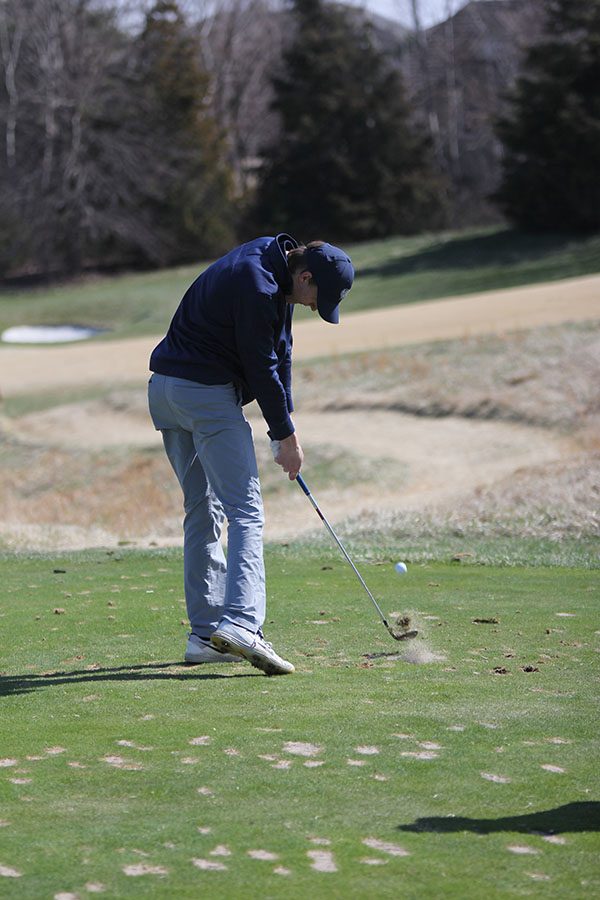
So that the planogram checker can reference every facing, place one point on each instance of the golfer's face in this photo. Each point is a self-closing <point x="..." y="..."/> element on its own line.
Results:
<point x="304" y="290"/>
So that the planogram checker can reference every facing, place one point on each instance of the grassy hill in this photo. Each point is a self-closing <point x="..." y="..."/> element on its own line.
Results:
<point x="389" y="272"/>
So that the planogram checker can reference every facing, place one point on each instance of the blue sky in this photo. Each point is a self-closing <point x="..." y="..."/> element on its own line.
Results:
<point x="430" y="11"/>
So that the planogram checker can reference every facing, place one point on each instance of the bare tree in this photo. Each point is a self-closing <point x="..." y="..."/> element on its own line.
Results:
<point x="240" y="43"/>
<point x="12" y="30"/>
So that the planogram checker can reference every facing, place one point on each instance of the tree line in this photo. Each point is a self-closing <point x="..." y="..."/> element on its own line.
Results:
<point x="122" y="142"/>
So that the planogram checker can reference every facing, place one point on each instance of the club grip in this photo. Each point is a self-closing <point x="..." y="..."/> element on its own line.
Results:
<point x="303" y="484"/>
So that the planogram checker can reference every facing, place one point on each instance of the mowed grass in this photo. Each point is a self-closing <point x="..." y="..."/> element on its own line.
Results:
<point x="389" y="272"/>
<point x="362" y="775"/>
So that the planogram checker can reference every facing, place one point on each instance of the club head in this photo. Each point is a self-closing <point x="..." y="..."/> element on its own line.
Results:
<point x="402" y="635"/>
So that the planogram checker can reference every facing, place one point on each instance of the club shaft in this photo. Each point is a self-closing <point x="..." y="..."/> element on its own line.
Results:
<point x="304" y="487"/>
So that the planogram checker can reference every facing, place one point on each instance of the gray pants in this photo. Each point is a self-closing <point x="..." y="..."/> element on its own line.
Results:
<point x="209" y="444"/>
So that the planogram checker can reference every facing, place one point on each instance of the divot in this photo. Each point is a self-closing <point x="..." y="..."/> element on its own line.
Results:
<point x="430" y="745"/>
<point x="455" y="728"/>
<point x="282" y="764"/>
<point x="497" y="779"/>
<point x="385" y="847"/>
<point x="95" y="887"/>
<point x="264" y="855"/>
<point x="320" y="842"/>
<point x="66" y="895"/>
<point x="200" y="741"/>
<point x="9" y="872"/>
<point x="356" y="762"/>
<point x="538" y="876"/>
<point x="133" y="745"/>
<point x="54" y="751"/>
<point x="372" y="861"/>
<point x="209" y="865"/>
<point x="322" y="861"/>
<point x="554" y="839"/>
<point x="137" y="869"/>
<point x="205" y="792"/>
<point x="119" y="763"/>
<point x="421" y="754"/>
<point x="522" y="850"/>
<point x="558" y="770"/>
<point x="220" y="850"/>
<point x="281" y="870"/>
<point x="313" y="763"/>
<point x="7" y="763"/>
<point x="367" y="751"/>
<point x="298" y="748"/>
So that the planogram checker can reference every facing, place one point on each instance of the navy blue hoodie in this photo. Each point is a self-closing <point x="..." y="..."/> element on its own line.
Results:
<point x="234" y="325"/>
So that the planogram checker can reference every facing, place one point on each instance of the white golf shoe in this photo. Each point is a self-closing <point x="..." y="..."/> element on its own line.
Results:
<point x="229" y="638"/>
<point x="200" y="651"/>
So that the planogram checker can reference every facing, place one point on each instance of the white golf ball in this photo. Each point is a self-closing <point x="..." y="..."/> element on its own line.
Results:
<point x="400" y="568"/>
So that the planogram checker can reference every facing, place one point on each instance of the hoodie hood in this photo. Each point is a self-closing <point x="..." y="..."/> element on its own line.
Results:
<point x="276" y="258"/>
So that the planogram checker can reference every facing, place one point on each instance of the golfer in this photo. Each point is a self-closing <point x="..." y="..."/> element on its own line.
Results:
<point x="230" y="341"/>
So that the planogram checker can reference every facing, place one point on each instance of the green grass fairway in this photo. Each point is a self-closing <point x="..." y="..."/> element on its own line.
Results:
<point x="389" y="272"/>
<point x="361" y="776"/>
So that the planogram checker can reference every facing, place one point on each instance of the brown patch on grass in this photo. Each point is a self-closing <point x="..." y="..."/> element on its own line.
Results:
<point x="299" y="748"/>
<point x="209" y="865"/>
<point x="420" y="754"/>
<point x="385" y="847"/>
<point x="264" y="855"/>
<point x="522" y="850"/>
<point x="118" y="762"/>
<point x="322" y="861"/>
<point x="9" y="872"/>
<point x="137" y="869"/>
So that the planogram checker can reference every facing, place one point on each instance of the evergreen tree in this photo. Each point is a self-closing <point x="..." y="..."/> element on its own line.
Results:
<point x="552" y="138"/>
<point x="347" y="163"/>
<point x="188" y="186"/>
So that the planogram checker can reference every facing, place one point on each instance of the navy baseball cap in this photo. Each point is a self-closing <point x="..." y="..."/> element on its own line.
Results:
<point x="333" y="273"/>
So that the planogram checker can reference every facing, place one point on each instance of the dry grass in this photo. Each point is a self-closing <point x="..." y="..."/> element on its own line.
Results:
<point x="64" y="496"/>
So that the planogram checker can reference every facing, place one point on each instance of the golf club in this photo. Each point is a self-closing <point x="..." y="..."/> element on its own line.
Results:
<point x="397" y="635"/>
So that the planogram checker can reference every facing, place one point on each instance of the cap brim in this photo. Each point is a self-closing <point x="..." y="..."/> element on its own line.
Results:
<point x="329" y="311"/>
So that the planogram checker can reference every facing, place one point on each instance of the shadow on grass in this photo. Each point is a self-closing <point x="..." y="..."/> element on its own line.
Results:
<point x="503" y="248"/>
<point x="24" y="684"/>
<point x="579" y="816"/>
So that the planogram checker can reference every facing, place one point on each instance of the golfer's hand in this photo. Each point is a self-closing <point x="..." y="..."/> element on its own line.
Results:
<point x="290" y="456"/>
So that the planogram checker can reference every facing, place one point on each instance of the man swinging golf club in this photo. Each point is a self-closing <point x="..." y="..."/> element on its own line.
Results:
<point x="230" y="341"/>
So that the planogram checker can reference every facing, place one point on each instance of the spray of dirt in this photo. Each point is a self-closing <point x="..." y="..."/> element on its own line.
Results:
<point x="418" y="653"/>
<point x="416" y="650"/>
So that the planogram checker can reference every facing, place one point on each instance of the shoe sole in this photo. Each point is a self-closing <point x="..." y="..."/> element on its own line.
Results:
<point x="189" y="661"/>
<point x="266" y="665"/>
